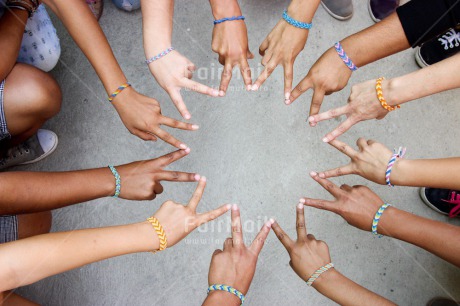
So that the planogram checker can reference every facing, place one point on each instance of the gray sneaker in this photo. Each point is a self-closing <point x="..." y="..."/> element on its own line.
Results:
<point x="339" y="9"/>
<point x="30" y="151"/>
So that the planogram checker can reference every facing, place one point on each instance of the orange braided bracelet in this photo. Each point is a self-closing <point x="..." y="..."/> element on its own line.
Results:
<point x="160" y="232"/>
<point x="383" y="102"/>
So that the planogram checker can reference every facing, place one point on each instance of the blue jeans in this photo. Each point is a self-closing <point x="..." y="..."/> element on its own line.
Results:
<point x="127" y="5"/>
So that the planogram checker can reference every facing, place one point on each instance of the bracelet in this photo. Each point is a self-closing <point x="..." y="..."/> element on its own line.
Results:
<point x="375" y="222"/>
<point x="383" y="102"/>
<point x="23" y="5"/>
<point x="159" y="55"/>
<point x="228" y="289"/>
<point x="396" y="154"/>
<point x="160" y="232"/>
<point x="217" y="21"/>
<point x="344" y="56"/>
<point x="318" y="272"/>
<point x="296" y="23"/>
<point x="119" y="89"/>
<point x="117" y="181"/>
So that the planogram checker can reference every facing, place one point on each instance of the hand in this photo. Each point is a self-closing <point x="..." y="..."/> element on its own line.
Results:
<point x="357" y="205"/>
<point x="230" y="41"/>
<point x="281" y="46"/>
<point x="329" y="74"/>
<point x="142" y="117"/>
<point x="178" y="220"/>
<point x="236" y="264"/>
<point x="307" y="254"/>
<point x="174" y="72"/>
<point x="362" y="105"/>
<point x="370" y="162"/>
<point x="141" y="180"/>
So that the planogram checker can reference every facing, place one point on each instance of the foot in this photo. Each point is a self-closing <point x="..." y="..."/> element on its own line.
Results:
<point x="380" y="9"/>
<point x="438" y="48"/>
<point x="444" y="201"/>
<point x="339" y="9"/>
<point x="30" y="151"/>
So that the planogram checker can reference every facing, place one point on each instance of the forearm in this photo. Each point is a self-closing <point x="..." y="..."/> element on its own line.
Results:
<point x="221" y="298"/>
<point x="26" y="192"/>
<point x="439" y="238"/>
<point x="376" y="42"/>
<point x="28" y="260"/>
<point x="303" y="10"/>
<point x="12" y="25"/>
<point x="88" y="35"/>
<point x="344" y="291"/>
<point x="157" y="25"/>
<point x="436" y="78"/>
<point x="435" y="173"/>
<point x="223" y="8"/>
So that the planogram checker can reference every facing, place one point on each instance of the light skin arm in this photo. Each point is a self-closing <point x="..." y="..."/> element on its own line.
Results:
<point x="60" y="252"/>
<point x="363" y="103"/>
<point x="358" y="206"/>
<point x="27" y="192"/>
<point x="371" y="160"/>
<point x="309" y="254"/>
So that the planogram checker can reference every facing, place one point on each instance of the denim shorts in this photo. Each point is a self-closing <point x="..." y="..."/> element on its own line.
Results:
<point x="8" y="228"/>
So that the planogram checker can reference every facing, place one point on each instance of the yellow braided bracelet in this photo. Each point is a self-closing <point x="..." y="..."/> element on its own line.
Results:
<point x="383" y="102"/>
<point x="160" y="232"/>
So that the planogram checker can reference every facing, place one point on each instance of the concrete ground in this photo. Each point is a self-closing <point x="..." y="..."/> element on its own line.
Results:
<point x="255" y="151"/>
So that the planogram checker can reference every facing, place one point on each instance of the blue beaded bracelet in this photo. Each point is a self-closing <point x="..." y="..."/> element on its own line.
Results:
<point x="376" y="220"/>
<point x="296" y="23"/>
<point x="346" y="60"/>
<point x="159" y="55"/>
<point x="117" y="181"/>
<point x="228" y="289"/>
<point x="228" y="19"/>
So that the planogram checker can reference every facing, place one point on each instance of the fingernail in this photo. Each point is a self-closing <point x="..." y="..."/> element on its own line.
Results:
<point x="187" y="150"/>
<point x="286" y="96"/>
<point x="195" y="127"/>
<point x="183" y="146"/>
<point x="311" y="119"/>
<point x="302" y="200"/>
<point x="221" y="93"/>
<point x="235" y="207"/>
<point x="187" y="116"/>
<point x="228" y="206"/>
<point x="313" y="173"/>
<point x="286" y="101"/>
<point x="248" y="87"/>
<point x="300" y="206"/>
<point x="325" y="139"/>
<point x="215" y="92"/>
<point x="255" y="87"/>
<point x="312" y="124"/>
<point x="197" y="177"/>
<point x="203" y="178"/>
<point x="268" y="224"/>
<point x="321" y="175"/>
<point x="272" y="220"/>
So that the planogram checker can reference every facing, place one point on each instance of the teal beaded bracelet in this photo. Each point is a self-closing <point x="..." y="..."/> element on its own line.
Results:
<point x="228" y="289"/>
<point x="117" y="181"/>
<point x="376" y="220"/>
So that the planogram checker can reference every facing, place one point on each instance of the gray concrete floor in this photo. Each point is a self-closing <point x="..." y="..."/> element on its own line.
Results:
<point x="255" y="151"/>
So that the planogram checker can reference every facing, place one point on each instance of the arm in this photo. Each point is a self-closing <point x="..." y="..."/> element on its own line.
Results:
<point x="140" y="114"/>
<point x="61" y="252"/>
<point x="308" y="255"/>
<point x="230" y="42"/>
<point x="358" y="206"/>
<point x="174" y="71"/>
<point x="26" y="192"/>
<point x="372" y="159"/>
<point x="363" y="103"/>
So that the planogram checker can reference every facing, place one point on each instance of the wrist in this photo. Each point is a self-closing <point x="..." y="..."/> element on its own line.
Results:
<point x="224" y="8"/>
<point x="219" y="297"/>
<point x="327" y="279"/>
<point x="148" y="237"/>
<point x="303" y="10"/>
<point x="392" y="91"/>
<point x="400" y="168"/>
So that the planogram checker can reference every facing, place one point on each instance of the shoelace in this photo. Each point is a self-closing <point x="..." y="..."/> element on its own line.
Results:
<point x="12" y="153"/>
<point x="455" y="200"/>
<point x="450" y="39"/>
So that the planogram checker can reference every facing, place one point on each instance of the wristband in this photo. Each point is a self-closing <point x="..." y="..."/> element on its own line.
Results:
<point x="228" y="289"/>
<point x="217" y="21"/>
<point x="376" y="220"/>
<point x="318" y="272"/>
<point x="344" y="57"/>
<point x="396" y="154"/>
<point x="117" y="181"/>
<point x="159" y="55"/>
<point x="119" y="89"/>
<point x="383" y="102"/>
<point x="296" y="23"/>
<point x="160" y="232"/>
<point x="30" y="7"/>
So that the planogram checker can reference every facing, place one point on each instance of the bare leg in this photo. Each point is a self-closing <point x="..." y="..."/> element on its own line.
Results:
<point x="12" y="299"/>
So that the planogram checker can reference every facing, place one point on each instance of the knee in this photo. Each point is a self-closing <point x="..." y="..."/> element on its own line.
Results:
<point x="34" y="224"/>
<point x="48" y="98"/>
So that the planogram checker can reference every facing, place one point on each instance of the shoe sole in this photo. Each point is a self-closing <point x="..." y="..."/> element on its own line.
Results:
<point x="338" y="17"/>
<point x="425" y="200"/>
<point x="370" y="12"/>
<point x="419" y="60"/>
<point x="46" y="154"/>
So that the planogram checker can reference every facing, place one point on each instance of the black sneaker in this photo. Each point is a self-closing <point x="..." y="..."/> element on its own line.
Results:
<point x="442" y="302"/>
<point x="438" y="48"/>
<point x="444" y="201"/>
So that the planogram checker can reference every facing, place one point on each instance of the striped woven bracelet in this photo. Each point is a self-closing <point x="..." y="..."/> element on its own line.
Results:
<point x="159" y="55"/>
<point x="383" y="102"/>
<point x="117" y="181"/>
<point x="376" y="220"/>
<point x="344" y="56"/>
<point x="296" y="23"/>
<point x="228" y="289"/>
<point x="318" y="272"/>
<point x="119" y="89"/>
<point x="396" y="154"/>
<point x="160" y="232"/>
<point x="217" y="21"/>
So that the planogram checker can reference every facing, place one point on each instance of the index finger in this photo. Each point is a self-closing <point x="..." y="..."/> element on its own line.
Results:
<point x="343" y="147"/>
<point x="169" y="158"/>
<point x="200" y="88"/>
<point x="258" y="243"/>
<point x="197" y="194"/>
<point x="316" y="101"/>
<point x="269" y="68"/>
<point x="225" y="78"/>
<point x="166" y="137"/>
<point x="237" y="230"/>
<point x="300" y="223"/>
<point x="328" y="185"/>
<point x="332" y="113"/>
<point x="282" y="236"/>
<point x="177" y="176"/>
<point x="246" y="73"/>
<point x="302" y="87"/>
